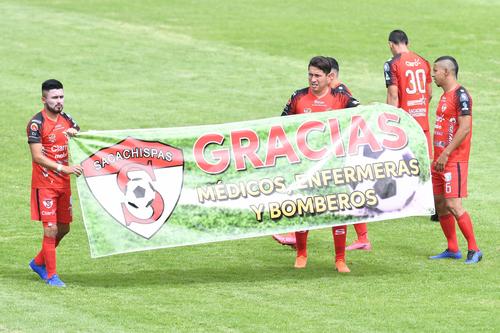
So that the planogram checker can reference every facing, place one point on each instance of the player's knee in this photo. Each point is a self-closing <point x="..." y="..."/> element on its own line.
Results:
<point x="454" y="208"/>
<point x="50" y="231"/>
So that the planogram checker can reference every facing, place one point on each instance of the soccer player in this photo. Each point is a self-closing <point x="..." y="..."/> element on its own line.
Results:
<point x="48" y="133"/>
<point x="362" y="242"/>
<point x="409" y="84"/>
<point x="336" y="85"/>
<point x="452" y="141"/>
<point x="319" y="97"/>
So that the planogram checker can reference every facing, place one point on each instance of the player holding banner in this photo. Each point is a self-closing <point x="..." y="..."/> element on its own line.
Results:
<point x="452" y="142"/>
<point x="319" y="97"/>
<point x="339" y="87"/>
<point x="48" y="133"/>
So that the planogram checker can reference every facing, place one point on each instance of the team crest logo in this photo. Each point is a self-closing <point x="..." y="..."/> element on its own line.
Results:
<point x="48" y="203"/>
<point x="34" y="127"/>
<point x="137" y="182"/>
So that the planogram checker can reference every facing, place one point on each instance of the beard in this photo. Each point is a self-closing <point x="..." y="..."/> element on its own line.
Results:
<point x="56" y="109"/>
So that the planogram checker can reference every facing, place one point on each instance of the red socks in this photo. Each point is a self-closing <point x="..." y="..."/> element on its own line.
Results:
<point x="49" y="254"/>
<point x="301" y="243"/>
<point x="448" y="225"/>
<point x="39" y="259"/>
<point x="465" y="225"/>
<point x="339" y="238"/>
<point x="362" y="232"/>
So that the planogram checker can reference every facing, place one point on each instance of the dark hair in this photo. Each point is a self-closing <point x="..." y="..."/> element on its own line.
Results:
<point x="51" y="84"/>
<point x="398" y="37"/>
<point x="322" y="63"/>
<point x="452" y="60"/>
<point x="334" y="64"/>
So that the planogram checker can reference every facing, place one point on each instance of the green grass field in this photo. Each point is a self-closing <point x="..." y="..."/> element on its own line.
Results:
<point x="176" y="63"/>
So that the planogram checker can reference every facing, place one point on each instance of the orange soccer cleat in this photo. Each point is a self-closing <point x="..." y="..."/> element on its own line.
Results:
<point x="300" y="262"/>
<point x="341" y="266"/>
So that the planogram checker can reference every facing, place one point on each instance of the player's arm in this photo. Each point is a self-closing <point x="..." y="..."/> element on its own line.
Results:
<point x="391" y="83"/>
<point x="429" y="90"/>
<point x="289" y="108"/>
<point x="38" y="157"/>
<point x="464" y="125"/>
<point x="392" y="95"/>
<point x="349" y="100"/>
<point x="74" y="129"/>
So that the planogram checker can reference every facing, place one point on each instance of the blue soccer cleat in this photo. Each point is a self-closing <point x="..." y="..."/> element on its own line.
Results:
<point x="55" y="281"/>
<point x="473" y="257"/>
<point x="39" y="269"/>
<point x="447" y="254"/>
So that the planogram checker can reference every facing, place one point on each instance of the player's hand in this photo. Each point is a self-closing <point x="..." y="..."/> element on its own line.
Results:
<point x="71" y="132"/>
<point x="76" y="170"/>
<point x="441" y="162"/>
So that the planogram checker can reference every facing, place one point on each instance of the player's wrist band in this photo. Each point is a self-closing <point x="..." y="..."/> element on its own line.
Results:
<point x="59" y="167"/>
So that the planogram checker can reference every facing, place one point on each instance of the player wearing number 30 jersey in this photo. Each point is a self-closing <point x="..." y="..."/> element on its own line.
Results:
<point x="408" y="81"/>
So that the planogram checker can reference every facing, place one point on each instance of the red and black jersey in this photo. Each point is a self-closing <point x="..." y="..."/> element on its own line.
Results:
<point x="341" y="87"/>
<point x="54" y="142"/>
<point x="452" y="105"/>
<point x="304" y="101"/>
<point x="411" y="74"/>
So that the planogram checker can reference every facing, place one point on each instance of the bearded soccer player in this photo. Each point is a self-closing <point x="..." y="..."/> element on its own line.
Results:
<point x="48" y="133"/>
<point x="319" y="97"/>
<point x="338" y="87"/>
<point x="452" y="142"/>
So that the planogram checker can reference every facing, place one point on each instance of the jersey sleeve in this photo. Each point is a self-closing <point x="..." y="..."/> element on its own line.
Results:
<point x="348" y="100"/>
<point x="464" y="101"/>
<point x="34" y="129"/>
<point x="290" y="107"/>
<point x="390" y="73"/>
<point x="71" y="121"/>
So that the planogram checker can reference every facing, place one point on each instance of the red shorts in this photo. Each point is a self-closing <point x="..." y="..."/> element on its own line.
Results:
<point x="51" y="205"/>
<point x="452" y="182"/>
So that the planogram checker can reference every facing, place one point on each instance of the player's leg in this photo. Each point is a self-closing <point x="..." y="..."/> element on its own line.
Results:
<point x="62" y="230"/>
<point x="339" y="239"/>
<point x="446" y="218"/>
<point x="464" y="221"/>
<point x="458" y="190"/>
<point x="362" y="242"/>
<point x="64" y="214"/>
<point x="49" y="247"/>
<point x="43" y="208"/>
<point x="301" y="245"/>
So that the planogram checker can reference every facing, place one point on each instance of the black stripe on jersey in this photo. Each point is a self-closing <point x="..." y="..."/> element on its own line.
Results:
<point x="341" y="87"/>
<point x="352" y="102"/>
<point x="71" y="120"/>
<point x="34" y="128"/>
<point x="38" y="204"/>
<point x="289" y="107"/>
<point x="464" y="101"/>
<point x="459" y="180"/>
<point x="387" y="70"/>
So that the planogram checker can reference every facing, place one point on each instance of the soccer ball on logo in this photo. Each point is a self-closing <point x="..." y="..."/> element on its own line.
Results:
<point x="393" y="193"/>
<point x="139" y="196"/>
